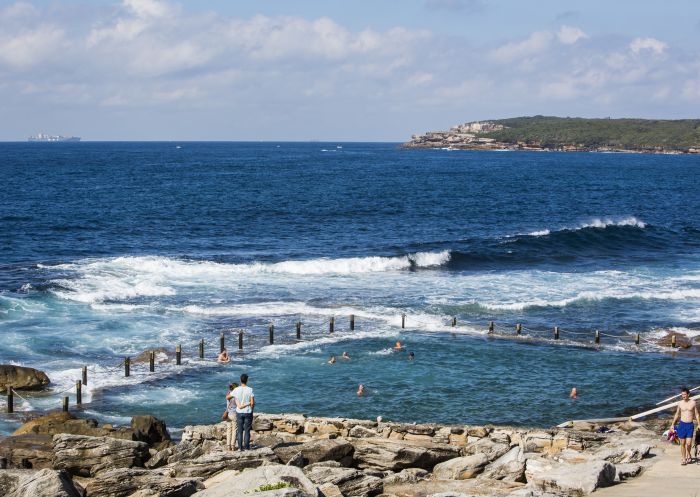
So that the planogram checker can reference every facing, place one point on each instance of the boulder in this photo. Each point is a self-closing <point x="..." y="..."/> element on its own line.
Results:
<point x="200" y="433"/>
<point x="396" y="455"/>
<point x="538" y="441"/>
<point x="64" y="422"/>
<point x="163" y="356"/>
<point x="351" y="482"/>
<point x="682" y="341"/>
<point x="509" y="467"/>
<point x="569" y="479"/>
<point x="248" y="481"/>
<point x="45" y="483"/>
<point x="150" y="430"/>
<point x="492" y="450"/>
<point x="316" y="451"/>
<point x="22" y="378"/>
<point x="627" y="470"/>
<point x="9" y="479"/>
<point x="27" y="451"/>
<point x="87" y="456"/>
<point x="123" y="482"/>
<point x="461" y="468"/>
<point x="213" y="462"/>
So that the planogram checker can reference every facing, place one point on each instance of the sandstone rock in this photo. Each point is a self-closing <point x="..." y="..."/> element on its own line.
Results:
<point x="46" y="483"/>
<point x="682" y="341"/>
<point x="200" y="433"/>
<point x="569" y="479"/>
<point x="461" y="468"/>
<point x="64" y="422"/>
<point x="316" y="451"/>
<point x="123" y="482"/>
<point x="453" y="488"/>
<point x="214" y="462"/>
<point x="500" y="436"/>
<point x="583" y="440"/>
<point x="247" y="481"/>
<point x="408" y="475"/>
<point x="27" y="451"/>
<point x="86" y="456"/>
<point x="359" y="431"/>
<point x="22" y="378"/>
<point x="163" y="356"/>
<point x="9" y="479"/>
<point x="351" y="482"/>
<point x="509" y="467"/>
<point x="627" y="453"/>
<point x="150" y="430"/>
<point x="329" y="490"/>
<point x="396" y="455"/>
<point x="492" y="450"/>
<point x="537" y="441"/>
<point x="323" y="425"/>
<point x="478" y="431"/>
<point x="627" y="470"/>
<point x="262" y="423"/>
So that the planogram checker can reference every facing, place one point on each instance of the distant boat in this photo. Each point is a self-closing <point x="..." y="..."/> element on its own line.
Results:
<point x="41" y="137"/>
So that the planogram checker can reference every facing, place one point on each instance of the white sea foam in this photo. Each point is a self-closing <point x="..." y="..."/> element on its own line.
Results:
<point x="125" y="278"/>
<point x="598" y="222"/>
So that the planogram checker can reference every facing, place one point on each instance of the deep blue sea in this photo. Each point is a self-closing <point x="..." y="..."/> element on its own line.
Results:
<point x="111" y="249"/>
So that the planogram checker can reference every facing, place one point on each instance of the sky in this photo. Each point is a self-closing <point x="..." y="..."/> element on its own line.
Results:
<point x="332" y="70"/>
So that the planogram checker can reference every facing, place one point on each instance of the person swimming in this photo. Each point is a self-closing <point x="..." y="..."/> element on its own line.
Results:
<point x="573" y="393"/>
<point x="361" y="390"/>
<point x="224" y="357"/>
<point x="411" y="356"/>
<point x="398" y="345"/>
<point x="345" y="356"/>
<point x="331" y="360"/>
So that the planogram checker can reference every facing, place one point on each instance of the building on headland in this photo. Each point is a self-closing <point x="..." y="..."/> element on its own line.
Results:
<point x="41" y="137"/>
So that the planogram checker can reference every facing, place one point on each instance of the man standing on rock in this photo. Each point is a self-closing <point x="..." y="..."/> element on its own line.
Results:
<point x="243" y="396"/>
<point x="687" y="410"/>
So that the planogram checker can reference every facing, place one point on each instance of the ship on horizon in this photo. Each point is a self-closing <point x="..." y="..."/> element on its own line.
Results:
<point x="41" y="137"/>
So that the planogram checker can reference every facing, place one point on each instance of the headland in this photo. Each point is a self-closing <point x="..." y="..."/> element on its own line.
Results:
<point x="567" y="134"/>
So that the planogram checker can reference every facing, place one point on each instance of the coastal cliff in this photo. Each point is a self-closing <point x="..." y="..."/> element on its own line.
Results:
<point x="544" y="133"/>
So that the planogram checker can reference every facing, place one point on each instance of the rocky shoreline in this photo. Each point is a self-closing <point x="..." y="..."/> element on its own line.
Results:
<point x="59" y="455"/>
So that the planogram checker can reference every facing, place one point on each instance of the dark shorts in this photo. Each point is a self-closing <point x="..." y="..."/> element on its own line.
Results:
<point x="685" y="430"/>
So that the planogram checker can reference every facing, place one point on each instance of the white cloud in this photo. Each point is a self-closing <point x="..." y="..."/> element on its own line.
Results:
<point x="652" y="44"/>
<point x="570" y="35"/>
<point x="535" y="44"/>
<point x="31" y="47"/>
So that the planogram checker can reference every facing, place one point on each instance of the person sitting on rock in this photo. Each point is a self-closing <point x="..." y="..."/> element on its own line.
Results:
<point x="223" y="357"/>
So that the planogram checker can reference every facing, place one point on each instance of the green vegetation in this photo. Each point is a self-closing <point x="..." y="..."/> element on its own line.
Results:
<point x="631" y="134"/>
<point x="272" y="486"/>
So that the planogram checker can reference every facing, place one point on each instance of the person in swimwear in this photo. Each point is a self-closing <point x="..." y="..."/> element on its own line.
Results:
<point x="345" y="356"/>
<point x="687" y="411"/>
<point x="361" y="390"/>
<point x="397" y="346"/>
<point x="331" y="360"/>
<point x="223" y="357"/>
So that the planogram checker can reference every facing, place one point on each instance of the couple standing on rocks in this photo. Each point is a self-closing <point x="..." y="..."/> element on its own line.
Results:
<point x="239" y="408"/>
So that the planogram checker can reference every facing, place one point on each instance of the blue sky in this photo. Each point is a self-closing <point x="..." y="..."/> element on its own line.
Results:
<point x="331" y="70"/>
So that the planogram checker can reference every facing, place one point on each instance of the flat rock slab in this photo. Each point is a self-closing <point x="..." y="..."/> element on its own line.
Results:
<point x="209" y="464"/>
<point x="396" y="455"/>
<point x="86" y="456"/>
<point x="348" y="480"/>
<point x="248" y="481"/>
<point x="490" y="488"/>
<point x="124" y="482"/>
<point x="316" y="451"/>
<point x="569" y="479"/>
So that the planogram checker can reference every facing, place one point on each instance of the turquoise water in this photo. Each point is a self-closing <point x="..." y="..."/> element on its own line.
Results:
<point x="111" y="249"/>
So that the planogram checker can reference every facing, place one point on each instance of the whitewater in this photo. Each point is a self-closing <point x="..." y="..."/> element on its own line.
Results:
<point x="133" y="247"/>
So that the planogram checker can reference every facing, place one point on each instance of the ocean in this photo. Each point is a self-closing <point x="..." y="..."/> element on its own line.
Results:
<point x="112" y="249"/>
